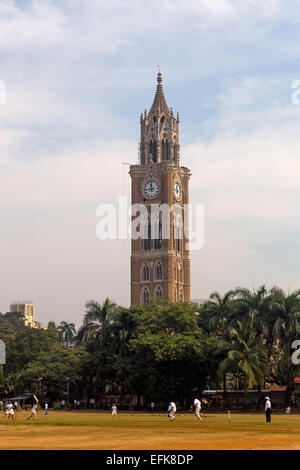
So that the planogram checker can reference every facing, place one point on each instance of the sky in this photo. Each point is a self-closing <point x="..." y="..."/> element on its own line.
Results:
<point x="77" y="75"/>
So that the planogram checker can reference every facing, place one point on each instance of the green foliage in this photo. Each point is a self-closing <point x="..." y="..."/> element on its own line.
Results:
<point x="161" y="350"/>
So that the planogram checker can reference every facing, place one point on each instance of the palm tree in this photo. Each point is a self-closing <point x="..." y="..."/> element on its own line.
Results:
<point x="253" y="307"/>
<point x="286" y="328"/>
<point x="218" y="310"/>
<point x="57" y="329"/>
<point x="97" y="321"/>
<point x="68" y="331"/>
<point x="96" y="332"/>
<point x="245" y="355"/>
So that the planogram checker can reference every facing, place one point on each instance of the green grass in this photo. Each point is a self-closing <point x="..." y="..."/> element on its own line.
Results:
<point x="99" y="430"/>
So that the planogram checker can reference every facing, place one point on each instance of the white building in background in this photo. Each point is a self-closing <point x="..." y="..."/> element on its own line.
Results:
<point x="27" y="310"/>
<point x="199" y="301"/>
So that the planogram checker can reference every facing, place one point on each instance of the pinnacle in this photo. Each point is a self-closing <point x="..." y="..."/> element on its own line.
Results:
<point x="159" y="105"/>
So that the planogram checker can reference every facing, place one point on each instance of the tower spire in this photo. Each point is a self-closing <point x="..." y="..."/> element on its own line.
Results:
<point x="159" y="105"/>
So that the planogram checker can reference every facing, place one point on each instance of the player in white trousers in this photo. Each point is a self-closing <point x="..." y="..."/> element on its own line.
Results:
<point x="172" y="410"/>
<point x="197" y="405"/>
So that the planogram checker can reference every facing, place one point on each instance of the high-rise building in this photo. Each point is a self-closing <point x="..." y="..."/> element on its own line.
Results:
<point x="160" y="266"/>
<point x="27" y="310"/>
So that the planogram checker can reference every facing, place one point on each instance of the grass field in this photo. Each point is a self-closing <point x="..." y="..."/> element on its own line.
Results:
<point x="99" y="430"/>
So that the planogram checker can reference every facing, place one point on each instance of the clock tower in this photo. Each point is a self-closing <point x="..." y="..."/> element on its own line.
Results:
<point x="160" y="263"/>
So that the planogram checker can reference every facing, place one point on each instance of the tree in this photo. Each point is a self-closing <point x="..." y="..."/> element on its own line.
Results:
<point x="245" y="355"/>
<point x="172" y="355"/>
<point x="218" y="311"/>
<point x="253" y="307"/>
<point x="68" y="331"/>
<point x="54" y="365"/>
<point x="97" y="321"/>
<point x="96" y="335"/>
<point x="286" y="329"/>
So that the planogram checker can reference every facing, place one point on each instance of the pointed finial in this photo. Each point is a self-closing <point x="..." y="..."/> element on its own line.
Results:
<point x="159" y="104"/>
<point x="159" y="76"/>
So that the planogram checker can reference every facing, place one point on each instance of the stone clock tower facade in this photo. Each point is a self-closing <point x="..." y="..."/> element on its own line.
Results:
<point x="160" y="265"/>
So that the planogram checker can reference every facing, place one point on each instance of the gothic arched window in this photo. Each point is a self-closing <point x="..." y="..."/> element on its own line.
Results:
<point x="177" y="233"/>
<point x="153" y="150"/>
<point x="181" y="295"/>
<point x="158" y="293"/>
<point x="164" y="149"/>
<point x="145" y="295"/>
<point x="158" y="241"/>
<point x="147" y="236"/>
<point x="180" y="273"/>
<point x="158" y="271"/>
<point x="146" y="272"/>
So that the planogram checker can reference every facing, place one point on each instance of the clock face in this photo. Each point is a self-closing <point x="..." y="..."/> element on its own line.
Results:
<point x="151" y="189"/>
<point x="177" y="190"/>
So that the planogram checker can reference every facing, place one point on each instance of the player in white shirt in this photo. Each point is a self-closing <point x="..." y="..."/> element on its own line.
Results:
<point x="172" y="410"/>
<point x="114" y="410"/>
<point x="34" y="408"/>
<point x="197" y="405"/>
<point x="268" y="409"/>
<point x="10" y="411"/>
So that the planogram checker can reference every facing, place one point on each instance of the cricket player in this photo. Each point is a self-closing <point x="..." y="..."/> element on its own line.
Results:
<point x="114" y="410"/>
<point x="268" y="409"/>
<point x="172" y="410"/>
<point x="11" y="412"/>
<point x="197" y="405"/>
<point x="34" y="408"/>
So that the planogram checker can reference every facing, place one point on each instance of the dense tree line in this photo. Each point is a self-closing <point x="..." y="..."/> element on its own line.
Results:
<point x="158" y="351"/>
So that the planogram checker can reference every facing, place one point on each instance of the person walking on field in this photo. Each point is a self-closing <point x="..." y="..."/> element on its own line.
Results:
<point x="114" y="410"/>
<point x="46" y="408"/>
<point x="34" y="408"/>
<point x="197" y="405"/>
<point x="268" y="409"/>
<point x="172" y="410"/>
<point x="11" y="412"/>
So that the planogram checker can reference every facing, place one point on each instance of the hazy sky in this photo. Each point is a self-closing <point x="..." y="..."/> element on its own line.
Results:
<point x="78" y="73"/>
